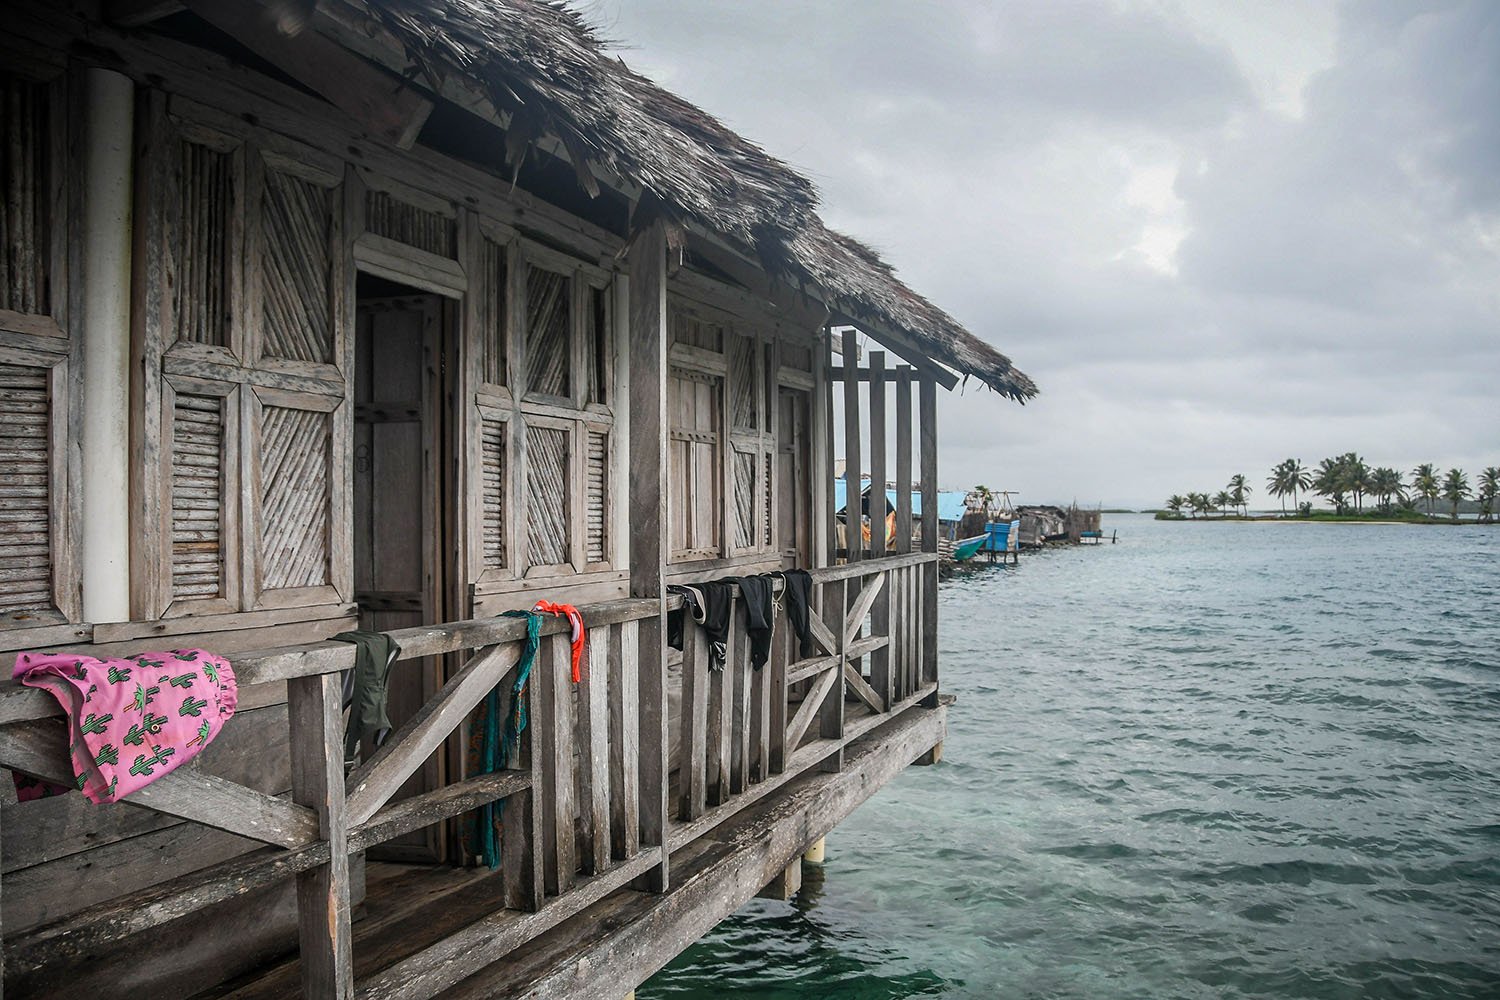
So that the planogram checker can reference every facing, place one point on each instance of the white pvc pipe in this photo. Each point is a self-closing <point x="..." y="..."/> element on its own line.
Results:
<point x="104" y="444"/>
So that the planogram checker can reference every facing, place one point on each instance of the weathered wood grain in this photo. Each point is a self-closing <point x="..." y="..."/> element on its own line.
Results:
<point x="323" y="918"/>
<point x="405" y="750"/>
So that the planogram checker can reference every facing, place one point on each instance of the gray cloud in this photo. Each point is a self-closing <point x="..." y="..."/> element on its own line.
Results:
<point x="1200" y="283"/>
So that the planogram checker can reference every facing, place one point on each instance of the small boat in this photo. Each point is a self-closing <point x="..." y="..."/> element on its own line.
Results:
<point x="964" y="549"/>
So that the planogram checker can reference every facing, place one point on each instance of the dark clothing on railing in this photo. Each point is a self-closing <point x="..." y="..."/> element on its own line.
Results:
<point x="760" y="616"/>
<point x="798" y="599"/>
<point x="365" y="690"/>
<point x="709" y="604"/>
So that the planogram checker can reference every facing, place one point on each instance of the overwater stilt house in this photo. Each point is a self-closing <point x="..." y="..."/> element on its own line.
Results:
<point x="324" y="314"/>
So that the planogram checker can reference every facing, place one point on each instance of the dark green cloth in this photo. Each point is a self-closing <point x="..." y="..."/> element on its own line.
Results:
<point x="374" y="653"/>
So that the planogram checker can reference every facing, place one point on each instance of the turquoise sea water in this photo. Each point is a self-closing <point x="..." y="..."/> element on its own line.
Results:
<point x="1237" y="760"/>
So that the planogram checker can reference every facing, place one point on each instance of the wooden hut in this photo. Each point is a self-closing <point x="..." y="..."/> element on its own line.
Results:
<point x="399" y="314"/>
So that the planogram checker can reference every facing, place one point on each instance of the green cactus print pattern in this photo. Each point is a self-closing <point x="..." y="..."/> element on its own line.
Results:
<point x="131" y="719"/>
<point x="146" y="766"/>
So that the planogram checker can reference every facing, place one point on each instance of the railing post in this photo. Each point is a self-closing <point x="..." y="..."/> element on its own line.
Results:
<point x="648" y="522"/>
<point x="853" y="535"/>
<point x="831" y="715"/>
<point x="880" y="611"/>
<point x="317" y="751"/>
<point x="927" y="403"/>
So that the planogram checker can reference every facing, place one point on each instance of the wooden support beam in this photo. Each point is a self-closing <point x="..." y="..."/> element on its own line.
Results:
<point x="821" y="632"/>
<point x="648" y="521"/>
<point x="927" y="403"/>
<point x="855" y="620"/>
<point x="878" y="541"/>
<point x="903" y="460"/>
<point x="376" y="780"/>
<point x="624" y="738"/>
<point x="554" y="726"/>
<point x="323" y="921"/>
<point x="823" y="451"/>
<point x="831" y="717"/>
<point x="862" y="688"/>
<point x="692" y="747"/>
<point x="903" y="345"/>
<point x="521" y="848"/>
<point x="786" y="885"/>
<point x="137" y="13"/>
<point x="593" y="739"/>
<point x="781" y="654"/>
<point x="854" y="537"/>
<point x="739" y="755"/>
<point x="382" y="103"/>
<point x="40" y="749"/>
<point x="809" y="708"/>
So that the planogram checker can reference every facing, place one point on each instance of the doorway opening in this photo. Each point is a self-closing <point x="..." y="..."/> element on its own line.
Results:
<point x="406" y="498"/>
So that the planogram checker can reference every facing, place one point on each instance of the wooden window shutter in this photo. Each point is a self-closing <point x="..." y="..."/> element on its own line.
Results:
<point x="548" y="494"/>
<point x="204" y="512"/>
<point x="596" y="497"/>
<point x="549" y="332"/>
<point x="297" y="322"/>
<point x="26" y="185"/>
<point x="30" y="449"/>
<point x="203" y="251"/>
<point x="295" y="463"/>
<point x="492" y="490"/>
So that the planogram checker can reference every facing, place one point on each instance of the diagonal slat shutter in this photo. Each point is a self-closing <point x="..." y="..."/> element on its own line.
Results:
<point x="547" y="493"/>
<point x="295" y="463"/>
<point x="296" y="321"/>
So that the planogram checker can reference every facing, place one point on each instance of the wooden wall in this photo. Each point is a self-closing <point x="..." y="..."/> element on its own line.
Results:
<point x="256" y="207"/>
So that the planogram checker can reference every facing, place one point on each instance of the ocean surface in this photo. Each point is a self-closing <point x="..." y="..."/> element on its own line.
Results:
<point x="1213" y="760"/>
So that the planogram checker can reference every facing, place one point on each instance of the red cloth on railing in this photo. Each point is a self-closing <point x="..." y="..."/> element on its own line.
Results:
<point x="575" y="618"/>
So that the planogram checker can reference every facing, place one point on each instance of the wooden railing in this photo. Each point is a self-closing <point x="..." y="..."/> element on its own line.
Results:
<point x="742" y="727"/>
<point x="573" y="824"/>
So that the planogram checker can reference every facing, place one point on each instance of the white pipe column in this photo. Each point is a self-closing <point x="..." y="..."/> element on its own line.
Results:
<point x="109" y="110"/>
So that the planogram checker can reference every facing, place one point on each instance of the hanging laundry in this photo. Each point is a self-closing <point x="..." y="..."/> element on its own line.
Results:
<point x="709" y="605"/>
<point x="760" y="616"/>
<point x="798" y="599"/>
<point x="133" y="719"/>
<point x="491" y="747"/>
<point x="365" y="691"/>
<point x="575" y="619"/>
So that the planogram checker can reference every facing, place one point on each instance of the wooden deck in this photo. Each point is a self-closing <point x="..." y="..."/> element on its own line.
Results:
<point x="766" y="762"/>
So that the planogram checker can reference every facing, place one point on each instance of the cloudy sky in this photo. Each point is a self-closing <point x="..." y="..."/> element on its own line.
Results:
<point x="1216" y="234"/>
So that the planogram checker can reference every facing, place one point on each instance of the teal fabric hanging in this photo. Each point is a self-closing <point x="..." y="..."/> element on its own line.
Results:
<point x="489" y="751"/>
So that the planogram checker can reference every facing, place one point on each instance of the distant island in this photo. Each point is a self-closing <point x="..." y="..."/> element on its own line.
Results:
<point x="1354" y="491"/>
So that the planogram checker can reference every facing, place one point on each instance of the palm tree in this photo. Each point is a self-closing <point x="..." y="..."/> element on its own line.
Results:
<point x="1239" y="493"/>
<point x="983" y="496"/>
<point x="1424" y="483"/>
<point x="1280" y="483"/>
<point x="1384" y="484"/>
<point x="1175" y="502"/>
<point x="1489" y="487"/>
<point x="1455" y="489"/>
<point x="1299" y="477"/>
<point x="1200" y="503"/>
<point x="1332" y="481"/>
<point x="1356" y="477"/>
<point x="1221" y="501"/>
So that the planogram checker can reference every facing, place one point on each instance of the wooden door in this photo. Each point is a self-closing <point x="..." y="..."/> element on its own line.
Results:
<point x="399" y="521"/>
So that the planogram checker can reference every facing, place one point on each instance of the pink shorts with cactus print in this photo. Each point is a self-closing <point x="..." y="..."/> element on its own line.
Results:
<point x="131" y="719"/>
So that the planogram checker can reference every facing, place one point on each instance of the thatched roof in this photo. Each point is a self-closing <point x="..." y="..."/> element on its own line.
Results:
<point x="540" y="63"/>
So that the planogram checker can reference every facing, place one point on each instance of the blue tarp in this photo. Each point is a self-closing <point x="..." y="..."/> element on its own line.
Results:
<point x="950" y="504"/>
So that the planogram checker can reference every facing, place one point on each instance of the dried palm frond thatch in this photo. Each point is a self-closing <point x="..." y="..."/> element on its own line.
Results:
<point x="538" y="62"/>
